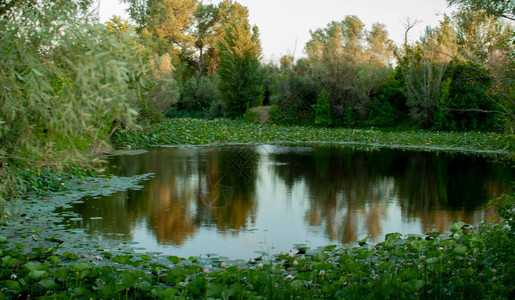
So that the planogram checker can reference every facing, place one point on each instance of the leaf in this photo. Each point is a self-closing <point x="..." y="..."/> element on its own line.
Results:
<point x="418" y="245"/>
<point x="37" y="274"/>
<point x="79" y="291"/>
<point x="456" y="227"/>
<point x="145" y="257"/>
<point x="385" y="266"/>
<point x="122" y="259"/>
<point x="3" y="239"/>
<point x="175" y="259"/>
<point x="391" y="238"/>
<point x="34" y="266"/>
<point x="13" y="285"/>
<point x="38" y="73"/>
<point x="433" y="234"/>
<point x="79" y="267"/>
<point x="322" y="266"/>
<point x="70" y="255"/>
<point x="460" y="249"/>
<point x="433" y="260"/>
<point x="8" y="261"/>
<point x="61" y="273"/>
<point x="329" y="248"/>
<point x="49" y="284"/>
<point x="363" y="242"/>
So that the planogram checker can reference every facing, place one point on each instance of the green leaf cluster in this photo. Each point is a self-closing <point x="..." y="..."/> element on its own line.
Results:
<point x="67" y="84"/>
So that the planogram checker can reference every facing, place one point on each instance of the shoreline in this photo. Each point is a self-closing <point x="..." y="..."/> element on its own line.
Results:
<point x="201" y="132"/>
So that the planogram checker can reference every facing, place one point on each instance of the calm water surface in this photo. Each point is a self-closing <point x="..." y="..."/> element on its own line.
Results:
<point x="236" y="200"/>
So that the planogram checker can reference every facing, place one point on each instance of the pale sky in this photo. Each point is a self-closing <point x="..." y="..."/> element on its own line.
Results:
<point x="285" y="25"/>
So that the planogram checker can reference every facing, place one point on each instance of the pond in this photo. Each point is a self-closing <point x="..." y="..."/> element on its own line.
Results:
<point x="244" y="201"/>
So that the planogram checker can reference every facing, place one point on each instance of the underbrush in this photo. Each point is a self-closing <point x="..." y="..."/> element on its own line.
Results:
<point x="466" y="262"/>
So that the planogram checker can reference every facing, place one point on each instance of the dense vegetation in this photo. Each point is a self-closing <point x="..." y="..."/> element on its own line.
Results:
<point x="71" y="86"/>
<point x="226" y="131"/>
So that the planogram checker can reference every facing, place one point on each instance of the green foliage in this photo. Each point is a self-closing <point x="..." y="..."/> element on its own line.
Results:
<point x="498" y="8"/>
<point x="41" y="182"/>
<point x="67" y="83"/>
<point x="222" y="131"/>
<point x="83" y="82"/>
<point x="161" y="92"/>
<point x="293" y="94"/>
<point x="323" y="110"/>
<point x="349" y="63"/>
<point x="466" y="100"/>
<point x="201" y="95"/>
<point x="239" y="68"/>
<point x="423" y="78"/>
<point x="350" y="117"/>
<point x="500" y="242"/>
<point x="381" y="113"/>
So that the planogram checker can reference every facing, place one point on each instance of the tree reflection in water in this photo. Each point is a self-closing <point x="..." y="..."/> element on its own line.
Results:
<point x="349" y="193"/>
<point x="351" y="187"/>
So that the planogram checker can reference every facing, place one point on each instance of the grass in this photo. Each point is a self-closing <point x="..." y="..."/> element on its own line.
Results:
<point x="224" y="131"/>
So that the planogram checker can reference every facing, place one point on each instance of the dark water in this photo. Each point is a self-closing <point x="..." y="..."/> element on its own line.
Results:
<point x="241" y="199"/>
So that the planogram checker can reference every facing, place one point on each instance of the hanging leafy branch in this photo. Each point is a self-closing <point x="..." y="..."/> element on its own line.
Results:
<point x="67" y="84"/>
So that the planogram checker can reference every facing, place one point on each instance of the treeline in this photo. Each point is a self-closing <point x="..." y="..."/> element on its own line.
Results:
<point x="68" y="83"/>
<point x="457" y="76"/>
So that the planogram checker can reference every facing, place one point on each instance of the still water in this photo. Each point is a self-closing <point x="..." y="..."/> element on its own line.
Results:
<point x="240" y="200"/>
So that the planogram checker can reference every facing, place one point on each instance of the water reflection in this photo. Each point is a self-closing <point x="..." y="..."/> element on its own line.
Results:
<point x="349" y="189"/>
<point x="235" y="200"/>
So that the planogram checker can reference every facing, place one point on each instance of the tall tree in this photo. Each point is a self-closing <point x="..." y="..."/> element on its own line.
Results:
<point x="487" y="41"/>
<point x="380" y="47"/>
<point x="226" y="12"/>
<point x="348" y="63"/>
<point x="168" y="22"/>
<point x="423" y="68"/>
<point x="206" y="18"/>
<point x="239" y="68"/>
